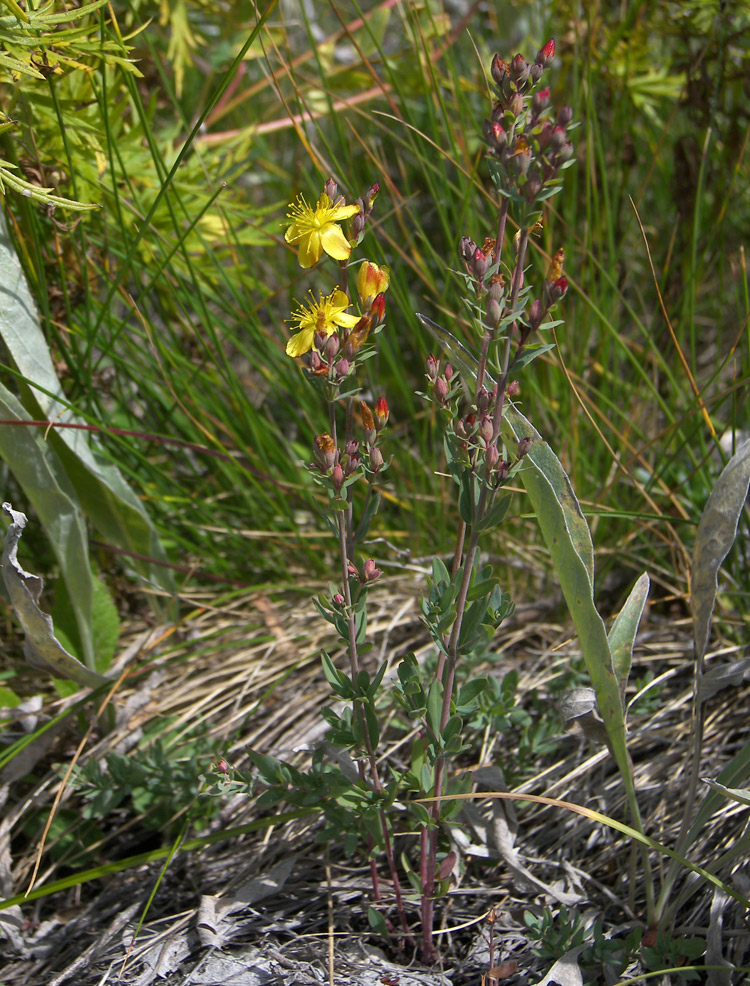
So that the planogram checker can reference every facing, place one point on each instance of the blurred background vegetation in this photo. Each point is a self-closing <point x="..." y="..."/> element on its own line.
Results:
<point x="191" y="125"/>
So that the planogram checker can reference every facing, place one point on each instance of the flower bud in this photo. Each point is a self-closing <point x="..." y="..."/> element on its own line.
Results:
<point x="325" y="451"/>
<point x="519" y="70"/>
<point x="359" y="220"/>
<point x="371" y="194"/>
<point x="331" y="189"/>
<point x="316" y="363"/>
<point x="431" y="368"/>
<point x="441" y="390"/>
<point x="448" y="372"/>
<point x="495" y="135"/>
<point x="351" y="464"/>
<point x="497" y="287"/>
<point x="357" y="336"/>
<point x="535" y="73"/>
<point x="532" y="188"/>
<point x="370" y="571"/>
<point x="558" y="138"/>
<point x="499" y="71"/>
<point x="546" y="54"/>
<point x="544" y="135"/>
<point x="479" y="264"/>
<point x="466" y="249"/>
<point x="557" y="290"/>
<point x="353" y="571"/>
<point x="331" y="347"/>
<point x="486" y="429"/>
<point x="516" y="105"/>
<point x="521" y="158"/>
<point x="540" y="101"/>
<point x="367" y="420"/>
<point x="338" y="599"/>
<point x="376" y="459"/>
<point x="337" y="477"/>
<point x="513" y="388"/>
<point x="377" y="309"/>
<point x="494" y="312"/>
<point x="564" y="116"/>
<point x="371" y="281"/>
<point x="565" y="153"/>
<point x="523" y="447"/>
<point x="343" y="368"/>
<point x="351" y="447"/>
<point x="535" y="314"/>
<point x="319" y="340"/>
<point x="381" y="413"/>
<point x="501" y="470"/>
<point x="491" y="456"/>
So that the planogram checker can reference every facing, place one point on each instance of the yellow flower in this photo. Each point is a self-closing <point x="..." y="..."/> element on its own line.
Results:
<point x="317" y="229"/>
<point x="372" y="281"/>
<point x="323" y="315"/>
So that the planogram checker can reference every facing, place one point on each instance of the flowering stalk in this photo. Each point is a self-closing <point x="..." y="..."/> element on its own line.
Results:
<point x="331" y="339"/>
<point x="526" y="152"/>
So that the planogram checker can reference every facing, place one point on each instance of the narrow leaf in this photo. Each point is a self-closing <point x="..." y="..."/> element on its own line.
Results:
<point x="42" y="649"/>
<point x="622" y="634"/>
<point x="716" y="533"/>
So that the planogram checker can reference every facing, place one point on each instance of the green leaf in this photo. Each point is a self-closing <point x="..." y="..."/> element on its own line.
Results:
<point x="568" y="540"/>
<point x="716" y="534"/>
<point x="435" y="706"/>
<point x="338" y="681"/>
<point x="622" y="634"/>
<point x="496" y="514"/>
<point x="115" y="511"/>
<point x="467" y="496"/>
<point x="377" y="922"/>
<point x="42" y="649"/>
<point x="373" y="504"/>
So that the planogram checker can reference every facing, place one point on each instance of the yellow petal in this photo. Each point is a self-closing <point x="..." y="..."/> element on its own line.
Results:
<point x="335" y="243"/>
<point x="300" y="343"/>
<point x="345" y="212"/>
<point x="310" y="250"/>
<point x="346" y="320"/>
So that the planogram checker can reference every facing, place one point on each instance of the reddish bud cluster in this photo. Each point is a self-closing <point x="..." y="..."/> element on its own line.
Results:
<point x="530" y="147"/>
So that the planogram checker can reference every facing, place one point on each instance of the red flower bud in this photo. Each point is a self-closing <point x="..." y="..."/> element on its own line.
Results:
<point x="343" y="368"/>
<point x="540" y="101"/>
<point x="377" y="309"/>
<point x="558" y="138"/>
<point x="491" y="456"/>
<point x="546" y="54"/>
<point x="431" y="368"/>
<point x="523" y="447"/>
<point x="499" y="71"/>
<point x="337" y="477"/>
<point x="371" y="194"/>
<point x="479" y="264"/>
<point x="441" y="390"/>
<point x="448" y="372"/>
<point x="381" y="413"/>
<point x="519" y="70"/>
<point x="564" y="116"/>
<point x="376" y="459"/>
<point x="338" y="599"/>
<point x="370" y="572"/>
<point x="514" y="388"/>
